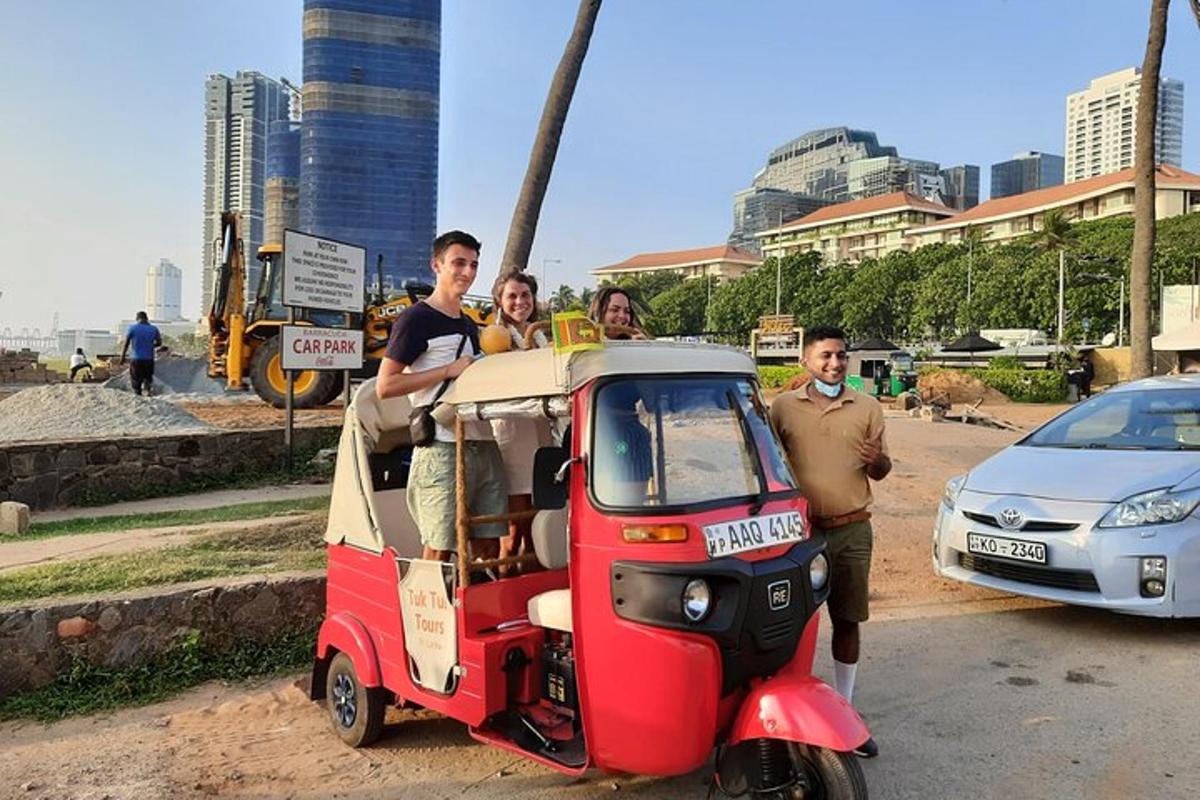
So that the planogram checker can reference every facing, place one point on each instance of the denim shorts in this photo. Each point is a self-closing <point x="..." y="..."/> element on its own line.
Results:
<point x="431" y="491"/>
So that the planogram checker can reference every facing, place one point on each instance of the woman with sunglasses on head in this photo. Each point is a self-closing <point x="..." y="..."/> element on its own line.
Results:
<point x="515" y="295"/>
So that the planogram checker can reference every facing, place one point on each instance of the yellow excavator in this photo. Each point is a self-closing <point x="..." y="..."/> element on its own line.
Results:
<point x="244" y="344"/>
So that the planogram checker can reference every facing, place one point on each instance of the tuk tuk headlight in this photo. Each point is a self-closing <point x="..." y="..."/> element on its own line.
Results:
<point x="697" y="599"/>
<point x="818" y="571"/>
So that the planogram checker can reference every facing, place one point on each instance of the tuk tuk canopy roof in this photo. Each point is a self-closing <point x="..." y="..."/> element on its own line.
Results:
<point x="1187" y="338"/>
<point x="542" y="373"/>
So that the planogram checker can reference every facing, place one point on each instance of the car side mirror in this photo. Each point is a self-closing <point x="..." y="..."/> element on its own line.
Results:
<point x="551" y="477"/>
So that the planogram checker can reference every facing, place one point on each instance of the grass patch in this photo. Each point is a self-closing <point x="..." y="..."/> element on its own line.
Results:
<point x="163" y="519"/>
<point x="293" y="545"/>
<point x="87" y="688"/>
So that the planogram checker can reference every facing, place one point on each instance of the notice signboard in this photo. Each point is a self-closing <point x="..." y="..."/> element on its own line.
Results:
<point x="306" y="347"/>
<point x="322" y="273"/>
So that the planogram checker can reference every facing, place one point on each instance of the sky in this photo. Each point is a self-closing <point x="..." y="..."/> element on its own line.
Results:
<point x="101" y="145"/>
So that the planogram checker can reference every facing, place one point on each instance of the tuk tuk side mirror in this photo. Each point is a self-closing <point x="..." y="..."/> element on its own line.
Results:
<point x="551" y="477"/>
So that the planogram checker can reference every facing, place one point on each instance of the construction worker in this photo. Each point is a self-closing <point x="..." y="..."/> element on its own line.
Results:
<point x="79" y="361"/>
<point x="146" y="339"/>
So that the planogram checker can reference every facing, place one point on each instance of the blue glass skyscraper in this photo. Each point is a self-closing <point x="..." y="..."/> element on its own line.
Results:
<point x="369" y="129"/>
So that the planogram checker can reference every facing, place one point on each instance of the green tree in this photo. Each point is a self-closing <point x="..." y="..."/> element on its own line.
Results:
<point x="563" y="298"/>
<point x="681" y="309"/>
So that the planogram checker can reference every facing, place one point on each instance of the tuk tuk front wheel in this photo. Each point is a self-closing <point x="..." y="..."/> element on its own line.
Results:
<point x="829" y="775"/>
<point x="355" y="710"/>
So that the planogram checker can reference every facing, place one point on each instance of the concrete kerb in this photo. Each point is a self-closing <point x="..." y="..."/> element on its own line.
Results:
<point x="40" y="640"/>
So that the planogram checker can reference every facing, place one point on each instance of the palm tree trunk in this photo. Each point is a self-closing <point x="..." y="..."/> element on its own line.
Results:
<point x="1142" y="259"/>
<point x="545" y="146"/>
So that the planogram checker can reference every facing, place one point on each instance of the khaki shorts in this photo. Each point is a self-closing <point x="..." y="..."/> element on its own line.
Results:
<point x="848" y="549"/>
<point x="431" y="491"/>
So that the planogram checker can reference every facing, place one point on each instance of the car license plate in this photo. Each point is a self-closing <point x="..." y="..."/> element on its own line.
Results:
<point x="1003" y="547"/>
<point x="751" y="533"/>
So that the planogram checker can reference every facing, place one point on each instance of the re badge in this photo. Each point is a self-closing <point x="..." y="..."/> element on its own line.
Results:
<point x="779" y="595"/>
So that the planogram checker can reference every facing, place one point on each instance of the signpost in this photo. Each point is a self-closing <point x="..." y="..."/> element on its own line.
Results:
<point x="326" y="275"/>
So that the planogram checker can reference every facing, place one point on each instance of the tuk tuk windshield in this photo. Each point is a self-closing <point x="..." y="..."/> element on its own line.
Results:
<point x="683" y="441"/>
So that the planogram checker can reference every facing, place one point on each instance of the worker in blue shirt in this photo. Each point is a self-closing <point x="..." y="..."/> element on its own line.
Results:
<point x="145" y="338"/>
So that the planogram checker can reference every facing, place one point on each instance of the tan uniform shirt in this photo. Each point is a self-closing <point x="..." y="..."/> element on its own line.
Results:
<point x="823" y="447"/>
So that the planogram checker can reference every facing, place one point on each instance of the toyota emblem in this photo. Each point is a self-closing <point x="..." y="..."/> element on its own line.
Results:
<point x="1012" y="519"/>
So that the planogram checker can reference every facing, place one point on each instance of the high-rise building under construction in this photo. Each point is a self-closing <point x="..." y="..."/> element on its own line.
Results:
<point x="369" y="132"/>
<point x="237" y="114"/>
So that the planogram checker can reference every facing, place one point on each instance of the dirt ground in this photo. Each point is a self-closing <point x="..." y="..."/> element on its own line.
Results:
<point x="268" y="741"/>
<point x="260" y="415"/>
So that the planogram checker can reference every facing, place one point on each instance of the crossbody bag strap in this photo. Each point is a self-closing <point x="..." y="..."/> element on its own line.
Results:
<point x="446" y="383"/>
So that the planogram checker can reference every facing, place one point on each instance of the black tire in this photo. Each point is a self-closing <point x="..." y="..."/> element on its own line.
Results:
<point x="830" y="774"/>
<point x="356" y="711"/>
<point x="335" y="389"/>
<point x="312" y="388"/>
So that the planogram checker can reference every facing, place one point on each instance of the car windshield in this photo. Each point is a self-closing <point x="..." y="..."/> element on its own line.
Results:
<point x="683" y="441"/>
<point x="1152" y="419"/>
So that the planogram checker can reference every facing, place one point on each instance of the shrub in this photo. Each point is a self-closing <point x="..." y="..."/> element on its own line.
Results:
<point x="1006" y="362"/>
<point x="1026" y="385"/>
<point x="777" y="377"/>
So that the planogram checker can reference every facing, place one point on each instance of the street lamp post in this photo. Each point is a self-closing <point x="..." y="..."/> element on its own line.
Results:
<point x="1062" y="260"/>
<point x="545" y="261"/>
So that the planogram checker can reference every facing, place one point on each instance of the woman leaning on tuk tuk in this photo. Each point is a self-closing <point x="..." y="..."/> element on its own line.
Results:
<point x="612" y="305"/>
<point x="515" y="296"/>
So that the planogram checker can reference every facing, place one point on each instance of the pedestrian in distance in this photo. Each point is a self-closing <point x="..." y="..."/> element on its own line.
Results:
<point x="145" y="339"/>
<point x="79" y="361"/>
<point x="834" y="440"/>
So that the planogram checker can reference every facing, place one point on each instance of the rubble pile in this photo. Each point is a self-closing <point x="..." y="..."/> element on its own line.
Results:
<point x="76" y="411"/>
<point x="22" y="366"/>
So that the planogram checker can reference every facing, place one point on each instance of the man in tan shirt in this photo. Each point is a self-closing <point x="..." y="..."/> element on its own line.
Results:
<point x="833" y="436"/>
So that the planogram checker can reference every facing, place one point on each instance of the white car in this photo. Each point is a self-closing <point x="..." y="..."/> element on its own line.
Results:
<point x="1097" y="507"/>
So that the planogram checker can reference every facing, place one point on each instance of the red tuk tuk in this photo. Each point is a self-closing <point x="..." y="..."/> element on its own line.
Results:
<point x="676" y="606"/>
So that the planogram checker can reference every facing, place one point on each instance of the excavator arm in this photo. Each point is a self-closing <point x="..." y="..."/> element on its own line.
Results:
<point x="226" y="316"/>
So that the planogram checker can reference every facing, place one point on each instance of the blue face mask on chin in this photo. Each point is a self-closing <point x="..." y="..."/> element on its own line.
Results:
<point x="830" y="390"/>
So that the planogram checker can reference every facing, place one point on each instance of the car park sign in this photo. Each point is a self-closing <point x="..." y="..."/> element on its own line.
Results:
<point x="307" y="347"/>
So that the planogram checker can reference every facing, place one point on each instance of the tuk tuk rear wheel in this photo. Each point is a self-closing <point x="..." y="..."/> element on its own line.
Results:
<point x="356" y="711"/>
<point x="830" y="775"/>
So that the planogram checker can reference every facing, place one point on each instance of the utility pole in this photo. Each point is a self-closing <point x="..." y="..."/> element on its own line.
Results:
<point x="970" y="265"/>
<point x="1062" y="271"/>
<point x="1121" y="317"/>
<point x="779" y="265"/>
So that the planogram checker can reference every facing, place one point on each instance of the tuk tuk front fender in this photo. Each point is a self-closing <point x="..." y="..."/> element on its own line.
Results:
<point x="343" y="633"/>
<point x="799" y="709"/>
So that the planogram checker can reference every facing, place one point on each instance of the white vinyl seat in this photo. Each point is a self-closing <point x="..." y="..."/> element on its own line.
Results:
<point x="551" y="543"/>
<point x="551" y="610"/>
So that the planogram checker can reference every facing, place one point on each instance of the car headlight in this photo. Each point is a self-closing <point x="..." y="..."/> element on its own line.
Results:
<point x="951" y="492"/>
<point x="1158" y="507"/>
<point x="697" y="598"/>
<point x="818" y="571"/>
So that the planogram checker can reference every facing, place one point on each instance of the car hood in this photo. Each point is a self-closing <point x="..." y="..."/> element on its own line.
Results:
<point x="1085" y="475"/>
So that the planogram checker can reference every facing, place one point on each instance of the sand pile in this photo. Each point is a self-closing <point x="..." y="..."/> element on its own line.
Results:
<point x="952" y="386"/>
<point x="174" y="375"/>
<point x="74" y="411"/>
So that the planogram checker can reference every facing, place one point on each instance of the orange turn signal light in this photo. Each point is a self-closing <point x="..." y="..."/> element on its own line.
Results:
<point x="654" y="533"/>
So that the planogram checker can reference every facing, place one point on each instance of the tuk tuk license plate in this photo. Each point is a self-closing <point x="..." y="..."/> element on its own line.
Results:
<point x="751" y="533"/>
<point x="1002" y="547"/>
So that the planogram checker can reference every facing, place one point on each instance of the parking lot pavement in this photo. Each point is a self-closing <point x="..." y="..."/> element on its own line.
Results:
<point x="1051" y="702"/>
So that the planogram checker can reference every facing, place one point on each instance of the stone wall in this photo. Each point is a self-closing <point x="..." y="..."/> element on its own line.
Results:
<point x="69" y="472"/>
<point x="40" y="641"/>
